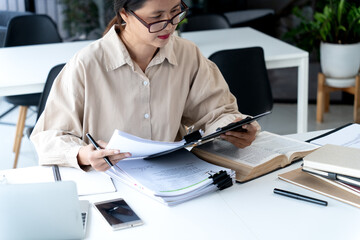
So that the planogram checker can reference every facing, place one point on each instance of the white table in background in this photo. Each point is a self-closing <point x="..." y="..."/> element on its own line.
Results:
<point x="24" y="69"/>
<point x="278" y="54"/>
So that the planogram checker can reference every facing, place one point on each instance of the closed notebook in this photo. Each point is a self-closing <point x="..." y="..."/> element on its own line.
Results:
<point x="335" y="159"/>
<point x="310" y="182"/>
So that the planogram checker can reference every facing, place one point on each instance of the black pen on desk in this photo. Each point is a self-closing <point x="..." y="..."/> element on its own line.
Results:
<point x="299" y="197"/>
<point x="98" y="148"/>
<point x="56" y="173"/>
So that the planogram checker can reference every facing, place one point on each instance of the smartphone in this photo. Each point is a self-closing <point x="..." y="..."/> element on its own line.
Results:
<point x="118" y="214"/>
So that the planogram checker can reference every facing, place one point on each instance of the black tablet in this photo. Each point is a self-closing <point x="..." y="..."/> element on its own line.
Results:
<point x="232" y="126"/>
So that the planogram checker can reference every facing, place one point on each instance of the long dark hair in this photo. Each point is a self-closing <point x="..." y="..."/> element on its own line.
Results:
<point x="123" y="4"/>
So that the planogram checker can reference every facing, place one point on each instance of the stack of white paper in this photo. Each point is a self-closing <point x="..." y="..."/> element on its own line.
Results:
<point x="171" y="179"/>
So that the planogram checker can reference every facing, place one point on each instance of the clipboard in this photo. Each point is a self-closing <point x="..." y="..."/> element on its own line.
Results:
<point x="329" y="132"/>
<point x="195" y="138"/>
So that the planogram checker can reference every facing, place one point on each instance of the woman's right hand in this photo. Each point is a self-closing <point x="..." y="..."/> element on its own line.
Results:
<point x="88" y="155"/>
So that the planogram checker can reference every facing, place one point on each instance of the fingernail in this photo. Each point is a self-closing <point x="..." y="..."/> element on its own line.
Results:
<point x="127" y="155"/>
<point x="116" y="152"/>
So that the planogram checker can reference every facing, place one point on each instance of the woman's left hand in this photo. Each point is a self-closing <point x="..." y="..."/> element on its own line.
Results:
<point x="242" y="138"/>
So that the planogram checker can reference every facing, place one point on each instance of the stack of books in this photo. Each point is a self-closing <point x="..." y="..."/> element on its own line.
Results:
<point x="338" y="165"/>
<point x="333" y="169"/>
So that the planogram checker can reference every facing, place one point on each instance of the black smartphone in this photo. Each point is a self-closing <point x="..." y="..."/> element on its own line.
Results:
<point x="118" y="214"/>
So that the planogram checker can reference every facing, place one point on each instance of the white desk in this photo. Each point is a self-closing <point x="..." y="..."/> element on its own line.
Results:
<point x="278" y="54"/>
<point x="24" y="69"/>
<point x="244" y="211"/>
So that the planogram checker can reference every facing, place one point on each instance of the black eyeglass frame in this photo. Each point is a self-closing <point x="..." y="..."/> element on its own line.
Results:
<point x="148" y="25"/>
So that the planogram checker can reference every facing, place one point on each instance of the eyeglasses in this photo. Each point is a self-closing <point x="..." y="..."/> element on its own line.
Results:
<point x="160" y="25"/>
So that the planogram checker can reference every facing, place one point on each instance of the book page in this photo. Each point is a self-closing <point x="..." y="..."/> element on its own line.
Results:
<point x="265" y="147"/>
<point x="139" y="147"/>
<point x="348" y="137"/>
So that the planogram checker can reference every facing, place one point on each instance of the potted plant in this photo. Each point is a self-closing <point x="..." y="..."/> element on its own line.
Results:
<point x="81" y="17"/>
<point x="336" y="29"/>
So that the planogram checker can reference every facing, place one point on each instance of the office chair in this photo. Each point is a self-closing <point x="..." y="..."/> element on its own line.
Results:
<point x="244" y="13"/>
<point x="245" y="72"/>
<point x="28" y="30"/>
<point x="41" y="105"/>
<point x="204" y="22"/>
<point x="5" y="17"/>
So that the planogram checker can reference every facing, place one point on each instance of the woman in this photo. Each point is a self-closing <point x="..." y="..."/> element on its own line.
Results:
<point x="140" y="79"/>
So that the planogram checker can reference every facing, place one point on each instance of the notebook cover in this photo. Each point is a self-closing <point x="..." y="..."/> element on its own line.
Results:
<point x="305" y="180"/>
<point x="335" y="159"/>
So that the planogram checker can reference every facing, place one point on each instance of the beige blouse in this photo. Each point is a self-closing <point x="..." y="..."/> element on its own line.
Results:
<point x="101" y="89"/>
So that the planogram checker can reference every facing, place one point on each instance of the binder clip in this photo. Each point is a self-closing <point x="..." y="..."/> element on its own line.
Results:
<point x="222" y="180"/>
<point x="193" y="137"/>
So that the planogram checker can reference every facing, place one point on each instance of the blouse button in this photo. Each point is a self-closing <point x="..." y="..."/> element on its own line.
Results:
<point x="146" y="116"/>
<point x="145" y="83"/>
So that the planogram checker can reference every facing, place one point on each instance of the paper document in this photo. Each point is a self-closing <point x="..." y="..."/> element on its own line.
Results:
<point x="172" y="178"/>
<point x="139" y="147"/>
<point x="348" y="136"/>
<point x="87" y="183"/>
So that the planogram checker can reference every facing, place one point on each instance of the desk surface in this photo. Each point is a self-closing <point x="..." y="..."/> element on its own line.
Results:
<point x="244" y="211"/>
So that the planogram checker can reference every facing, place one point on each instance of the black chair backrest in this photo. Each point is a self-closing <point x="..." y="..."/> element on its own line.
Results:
<point x="49" y="82"/>
<point x="5" y="16"/>
<point x="31" y="29"/>
<point x="245" y="72"/>
<point x="204" y="22"/>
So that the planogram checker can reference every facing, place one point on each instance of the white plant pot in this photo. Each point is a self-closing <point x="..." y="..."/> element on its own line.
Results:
<point x="340" y="63"/>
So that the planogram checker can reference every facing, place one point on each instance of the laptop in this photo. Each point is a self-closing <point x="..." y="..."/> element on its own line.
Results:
<point x="42" y="211"/>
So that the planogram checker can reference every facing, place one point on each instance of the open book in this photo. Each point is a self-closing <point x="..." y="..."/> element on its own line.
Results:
<point x="268" y="152"/>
